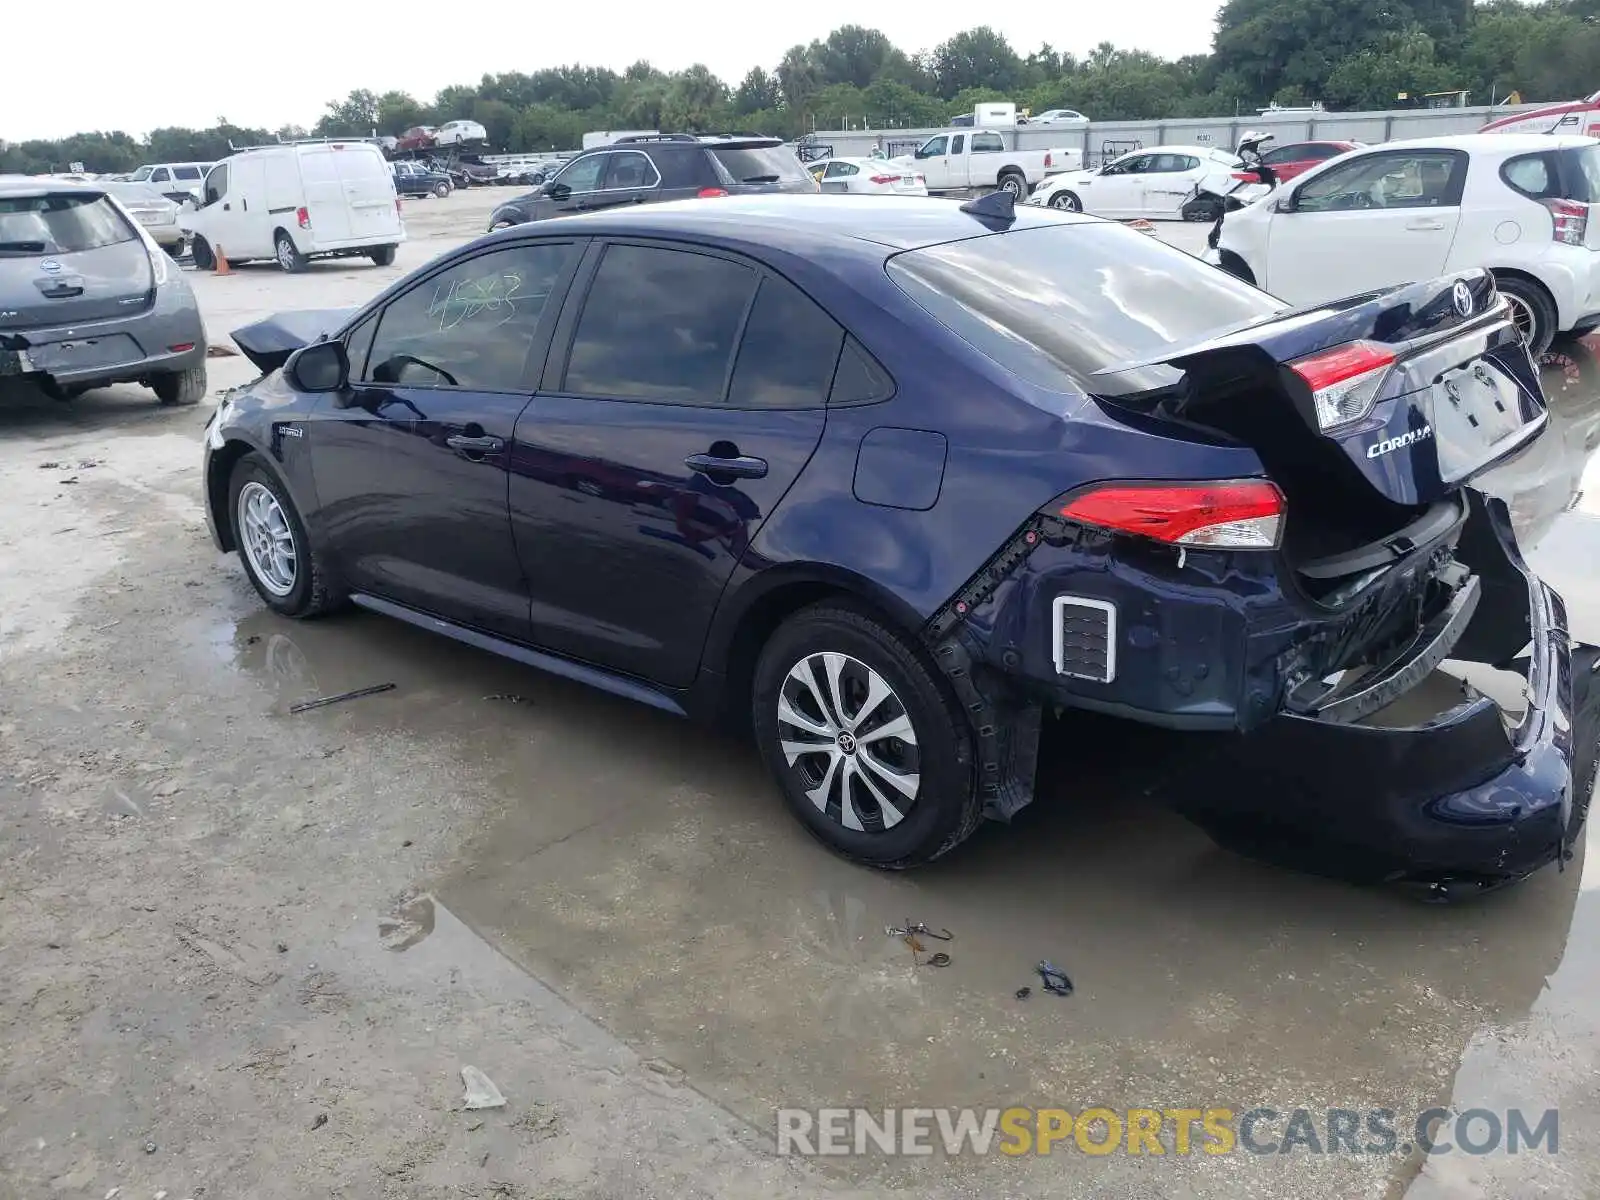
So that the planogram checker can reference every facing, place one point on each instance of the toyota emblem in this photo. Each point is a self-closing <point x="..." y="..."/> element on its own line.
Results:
<point x="50" y="265"/>
<point x="1461" y="295"/>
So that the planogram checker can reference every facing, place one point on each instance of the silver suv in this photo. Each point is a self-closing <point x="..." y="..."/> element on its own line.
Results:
<point x="87" y="298"/>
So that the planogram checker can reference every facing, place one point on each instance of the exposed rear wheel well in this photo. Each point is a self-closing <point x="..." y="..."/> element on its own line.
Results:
<point x="217" y="481"/>
<point x="759" y="622"/>
<point x="1237" y="267"/>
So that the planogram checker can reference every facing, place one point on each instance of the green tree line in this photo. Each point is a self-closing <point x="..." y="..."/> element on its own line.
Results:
<point x="1349" y="54"/>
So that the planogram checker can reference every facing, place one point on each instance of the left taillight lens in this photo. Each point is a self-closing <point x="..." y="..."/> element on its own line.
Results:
<point x="1570" y="221"/>
<point x="303" y="218"/>
<point x="1230" y="514"/>
<point x="1344" y="381"/>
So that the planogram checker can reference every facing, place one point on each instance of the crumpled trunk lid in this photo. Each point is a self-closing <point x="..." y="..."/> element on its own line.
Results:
<point x="1460" y="395"/>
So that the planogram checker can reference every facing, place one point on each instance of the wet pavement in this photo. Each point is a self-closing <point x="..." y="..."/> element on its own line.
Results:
<point x="645" y="870"/>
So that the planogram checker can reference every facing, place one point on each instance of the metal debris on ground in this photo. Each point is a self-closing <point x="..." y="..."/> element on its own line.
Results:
<point x="320" y="1121"/>
<point x="52" y="465"/>
<point x="1055" y="979"/>
<point x="149" y="1147"/>
<point x="509" y="698"/>
<point x="480" y="1090"/>
<point x="308" y="705"/>
<point x="1024" y="992"/>
<point x="913" y="928"/>
<point x="215" y="351"/>
<point x="940" y="959"/>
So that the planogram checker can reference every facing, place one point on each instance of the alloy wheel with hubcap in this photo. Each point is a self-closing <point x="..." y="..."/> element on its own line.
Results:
<point x="1013" y="184"/>
<point x="849" y="740"/>
<point x="267" y="539"/>
<point x="1065" y="201"/>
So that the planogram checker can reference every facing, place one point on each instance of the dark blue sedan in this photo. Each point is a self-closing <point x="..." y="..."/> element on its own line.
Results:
<point x="887" y="480"/>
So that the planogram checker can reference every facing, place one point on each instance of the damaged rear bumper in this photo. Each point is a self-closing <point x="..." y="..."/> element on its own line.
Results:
<point x="1454" y="796"/>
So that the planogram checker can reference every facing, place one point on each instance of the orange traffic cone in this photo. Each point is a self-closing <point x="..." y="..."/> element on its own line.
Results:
<point x="222" y="263"/>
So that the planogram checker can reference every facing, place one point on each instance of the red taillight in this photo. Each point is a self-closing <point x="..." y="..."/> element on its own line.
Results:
<point x="880" y="180"/>
<point x="1344" y="381"/>
<point x="707" y="193"/>
<point x="1247" y="177"/>
<point x="1570" y="221"/>
<point x="180" y="348"/>
<point x="1049" y="161"/>
<point x="1242" y="514"/>
<point x="303" y="218"/>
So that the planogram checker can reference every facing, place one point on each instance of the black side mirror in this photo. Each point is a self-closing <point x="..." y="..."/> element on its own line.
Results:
<point x="558" y="191"/>
<point x="319" y="367"/>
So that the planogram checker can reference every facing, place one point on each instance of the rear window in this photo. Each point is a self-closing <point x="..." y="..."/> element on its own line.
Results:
<point x="1055" y="305"/>
<point x="1583" y="174"/>
<point x="761" y="164"/>
<point x="186" y="172"/>
<point x="60" y="224"/>
<point x="1534" y="175"/>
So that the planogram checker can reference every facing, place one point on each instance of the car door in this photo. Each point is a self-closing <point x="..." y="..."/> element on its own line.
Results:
<point x="1117" y="190"/>
<point x="956" y="170"/>
<point x="572" y="189"/>
<point x="685" y="391"/>
<point x="629" y="178"/>
<point x="933" y="155"/>
<point x="1380" y="219"/>
<point x="1167" y="183"/>
<point x="838" y="176"/>
<point x="410" y="465"/>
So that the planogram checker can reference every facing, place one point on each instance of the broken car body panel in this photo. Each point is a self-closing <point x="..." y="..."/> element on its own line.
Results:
<point x="269" y="343"/>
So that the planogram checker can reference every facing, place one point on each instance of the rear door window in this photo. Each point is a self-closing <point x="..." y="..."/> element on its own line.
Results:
<point x="629" y="169"/>
<point x="760" y="164"/>
<point x="188" y="173"/>
<point x="788" y="353"/>
<point x="987" y="143"/>
<point x="64" y="223"/>
<point x="659" y="325"/>
<point x="1133" y="298"/>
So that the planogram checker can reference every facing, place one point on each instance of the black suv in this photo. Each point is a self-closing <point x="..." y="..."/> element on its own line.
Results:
<point x="663" y="166"/>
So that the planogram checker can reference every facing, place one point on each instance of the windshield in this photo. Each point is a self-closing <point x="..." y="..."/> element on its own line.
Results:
<point x="60" y="224"/>
<point x="761" y="164"/>
<point x="142" y="173"/>
<point x="1057" y="304"/>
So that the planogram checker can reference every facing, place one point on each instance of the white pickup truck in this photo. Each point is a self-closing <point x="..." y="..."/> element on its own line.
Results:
<point x="978" y="158"/>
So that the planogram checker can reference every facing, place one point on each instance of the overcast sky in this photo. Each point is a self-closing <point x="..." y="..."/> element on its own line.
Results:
<point x="192" y="63"/>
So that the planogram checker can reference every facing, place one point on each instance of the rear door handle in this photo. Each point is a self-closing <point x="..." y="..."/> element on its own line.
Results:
<point x="469" y="446"/>
<point x="1423" y="226"/>
<point x="742" y="467"/>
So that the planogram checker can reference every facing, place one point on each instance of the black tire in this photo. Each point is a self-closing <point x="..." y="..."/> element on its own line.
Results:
<point x="287" y="254"/>
<point x="180" y="387"/>
<point x="442" y="189"/>
<point x="383" y="256"/>
<point x="1017" y="185"/>
<point x="1066" y="201"/>
<point x="1535" y="312"/>
<point x="945" y="808"/>
<point x="313" y="592"/>
<point x="499" y="225"/>
<point x="200" y="251"/>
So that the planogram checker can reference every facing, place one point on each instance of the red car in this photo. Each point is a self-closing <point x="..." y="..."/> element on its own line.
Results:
<point x="1299" y="157"/>
<point x="418" y="137"/>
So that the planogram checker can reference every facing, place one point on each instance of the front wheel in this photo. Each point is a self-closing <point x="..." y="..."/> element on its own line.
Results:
<point x="283" y="566"/>
<point x="442" y="189"/>
<point x="869" y="747"/>
<point x="1066" y="202"/>
<point x="200" y="251"/>
<point x="382" y="256"/>
<point x="289" y="258"/>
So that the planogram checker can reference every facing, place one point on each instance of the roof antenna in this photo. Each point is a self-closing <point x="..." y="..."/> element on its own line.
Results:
<point x="997" y="210"/>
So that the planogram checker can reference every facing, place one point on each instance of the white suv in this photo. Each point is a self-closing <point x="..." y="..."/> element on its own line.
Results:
<point x="1519" y="205"/>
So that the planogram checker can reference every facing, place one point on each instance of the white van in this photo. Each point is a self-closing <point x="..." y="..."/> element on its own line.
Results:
<point x="298" y="201"/>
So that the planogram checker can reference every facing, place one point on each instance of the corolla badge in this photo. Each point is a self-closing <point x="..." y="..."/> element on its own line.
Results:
<point x="50" y="265"/>
<point x="1390" y="445"/>
<point x="1461" y="297"/>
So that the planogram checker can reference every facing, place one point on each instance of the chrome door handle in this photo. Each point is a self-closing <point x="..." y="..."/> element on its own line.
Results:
<point x="1424" y="226"/>
<point x="462" y="444"/>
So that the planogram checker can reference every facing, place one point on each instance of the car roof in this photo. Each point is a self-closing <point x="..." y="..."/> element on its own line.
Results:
<point x="27" y="185"/>
<point x="1492" y="143"/>
<point x="893" y="222"/>
<point x="1180" y="148"/>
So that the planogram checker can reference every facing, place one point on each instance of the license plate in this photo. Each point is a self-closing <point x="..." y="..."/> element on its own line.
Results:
<point x="1478" y="413"/>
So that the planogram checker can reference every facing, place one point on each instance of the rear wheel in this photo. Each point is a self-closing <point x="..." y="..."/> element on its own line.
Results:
<point x="180" y="387"/>
<point x="1066" y="201"/>
<point x="289" y="258"/>
<point x="383" y="256"/>
<point x="870" y="750"/>
<point x="1015" y="184"/>
<point x="1533" y="311"/>
<point x="200" y="251"/>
